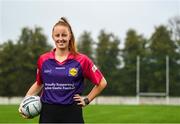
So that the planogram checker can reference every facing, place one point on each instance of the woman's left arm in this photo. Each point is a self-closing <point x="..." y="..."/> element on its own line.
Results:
<point x="97" y="89"/>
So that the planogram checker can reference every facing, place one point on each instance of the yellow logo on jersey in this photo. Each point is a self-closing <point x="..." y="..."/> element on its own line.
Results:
<point x="73" y="72"/>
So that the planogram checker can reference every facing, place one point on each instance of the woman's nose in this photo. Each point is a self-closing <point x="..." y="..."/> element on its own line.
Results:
<point x="60" y="38"/>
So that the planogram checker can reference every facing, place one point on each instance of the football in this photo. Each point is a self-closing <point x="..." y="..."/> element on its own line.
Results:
<point x="31" y="106"/>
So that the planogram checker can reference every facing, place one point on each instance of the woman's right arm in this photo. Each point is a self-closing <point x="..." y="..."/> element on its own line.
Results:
<point x="34" y="89"/>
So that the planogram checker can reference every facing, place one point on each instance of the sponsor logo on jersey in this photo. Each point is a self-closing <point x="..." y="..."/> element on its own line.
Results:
<point x="59" y="68"/>
<point x="47" y="71"/>
<point x="73" y="72"/>
<point x="94" y="68"/>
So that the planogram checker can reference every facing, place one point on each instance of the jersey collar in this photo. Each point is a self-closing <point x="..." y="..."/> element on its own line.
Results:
<point x="70" y="56"/>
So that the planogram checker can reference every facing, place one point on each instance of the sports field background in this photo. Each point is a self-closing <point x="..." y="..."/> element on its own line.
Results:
<point x="108" y="114"/>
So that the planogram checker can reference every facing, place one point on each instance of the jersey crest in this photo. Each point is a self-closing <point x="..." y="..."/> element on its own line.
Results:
<point x="73" y="72"/>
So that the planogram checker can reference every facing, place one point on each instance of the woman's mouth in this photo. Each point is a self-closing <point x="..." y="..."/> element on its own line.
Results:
<point x="61" y="42"/>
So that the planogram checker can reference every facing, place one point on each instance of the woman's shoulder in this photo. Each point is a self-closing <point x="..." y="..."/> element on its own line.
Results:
<point x="82" y="56"/>
<point x="47" y="55"/>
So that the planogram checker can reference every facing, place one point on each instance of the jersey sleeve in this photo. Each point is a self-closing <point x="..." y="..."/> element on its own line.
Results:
<point x="91" y="72"/>
<point x="38" y="75"/>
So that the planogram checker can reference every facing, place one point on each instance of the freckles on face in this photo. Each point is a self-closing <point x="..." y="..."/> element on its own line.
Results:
<point x="61" y="36"/>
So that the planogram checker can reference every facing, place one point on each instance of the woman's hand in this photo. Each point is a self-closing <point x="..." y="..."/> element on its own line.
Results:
<point x="22" y="114"/>
<point x="79" y="100"/>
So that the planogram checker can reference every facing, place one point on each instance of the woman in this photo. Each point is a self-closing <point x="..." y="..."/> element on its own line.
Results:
<point x="60" y="76"/>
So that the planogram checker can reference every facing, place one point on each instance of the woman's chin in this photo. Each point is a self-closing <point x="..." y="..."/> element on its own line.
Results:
<point x="61" y="47"/>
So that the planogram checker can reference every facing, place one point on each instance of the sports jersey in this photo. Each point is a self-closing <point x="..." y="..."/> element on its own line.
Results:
<point x="62" y="80"/>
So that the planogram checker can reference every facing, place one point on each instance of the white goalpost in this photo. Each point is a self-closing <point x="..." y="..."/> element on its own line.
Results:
<point x="159" y="94"/>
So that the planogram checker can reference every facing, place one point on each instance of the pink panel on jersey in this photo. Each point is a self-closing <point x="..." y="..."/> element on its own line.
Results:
<point x="90" y="71"/>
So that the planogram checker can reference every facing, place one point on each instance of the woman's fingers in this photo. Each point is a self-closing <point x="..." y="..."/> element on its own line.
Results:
<point x="22" y="114"/>
<point x="79" y="100"/>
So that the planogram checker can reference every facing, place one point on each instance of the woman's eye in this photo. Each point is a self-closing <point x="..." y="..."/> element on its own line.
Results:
<point x="57" y="35"/>
<point x="64" y="35"/>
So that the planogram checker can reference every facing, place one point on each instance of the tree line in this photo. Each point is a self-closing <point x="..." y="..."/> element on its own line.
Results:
<point x="18" y="59"/>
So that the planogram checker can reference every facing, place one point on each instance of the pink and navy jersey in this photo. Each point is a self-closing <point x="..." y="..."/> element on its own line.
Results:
<point x="62" y="80"/>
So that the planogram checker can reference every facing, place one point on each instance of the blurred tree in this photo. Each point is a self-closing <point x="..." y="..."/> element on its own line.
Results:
<point x="18" y="61"/>
<point x="107" y="57"/>
<point x="7" y="56"/>
<point x="161" y="42"/>
<point x="85" y="44"/>
<point x="161" y="45"/>
<point x="174" y="25"/>
<point x="134" y="46"/>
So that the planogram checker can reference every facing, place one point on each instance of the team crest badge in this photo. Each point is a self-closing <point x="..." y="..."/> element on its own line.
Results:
<point x="73" y="72"/>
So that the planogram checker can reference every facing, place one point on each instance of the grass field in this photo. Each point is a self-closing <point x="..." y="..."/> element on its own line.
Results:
<point x="108" y="114"/>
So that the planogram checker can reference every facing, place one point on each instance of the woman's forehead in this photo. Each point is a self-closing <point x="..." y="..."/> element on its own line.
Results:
<point x="61" y="28"/>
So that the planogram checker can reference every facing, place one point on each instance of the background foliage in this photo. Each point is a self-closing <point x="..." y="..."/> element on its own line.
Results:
<point x="118" y="65"/>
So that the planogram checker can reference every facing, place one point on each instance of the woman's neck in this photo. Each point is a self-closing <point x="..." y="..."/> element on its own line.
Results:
<point x="61" y="53"/>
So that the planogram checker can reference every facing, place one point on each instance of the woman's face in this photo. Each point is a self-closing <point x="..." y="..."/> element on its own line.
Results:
<point x="61" y="36"/>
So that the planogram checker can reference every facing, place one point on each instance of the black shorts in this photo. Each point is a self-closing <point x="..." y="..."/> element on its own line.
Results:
<point x="53" y="113"/>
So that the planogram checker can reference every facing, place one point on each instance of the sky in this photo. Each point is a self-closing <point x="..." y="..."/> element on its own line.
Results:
<point x="115" y="16"/>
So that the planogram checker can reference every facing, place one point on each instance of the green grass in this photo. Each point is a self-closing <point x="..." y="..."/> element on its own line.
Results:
<point x="10" y="114"/>
<point x="108" y="114"/>
<point x="132" y="114"/>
